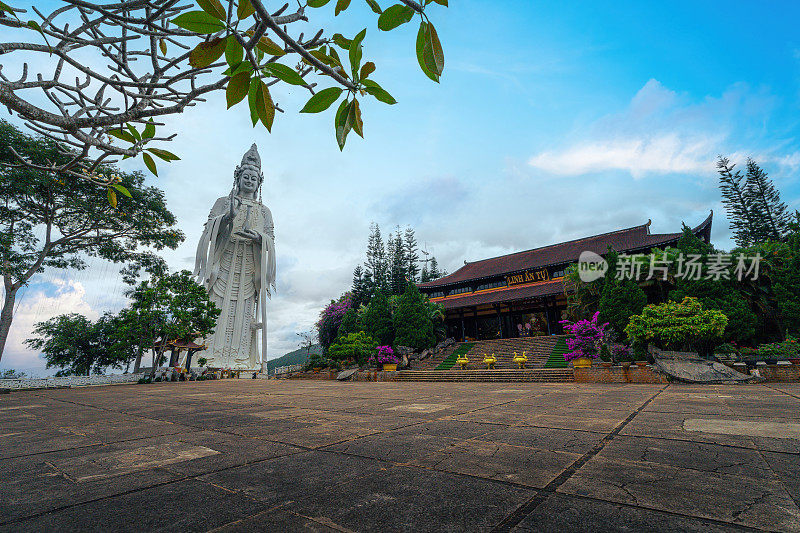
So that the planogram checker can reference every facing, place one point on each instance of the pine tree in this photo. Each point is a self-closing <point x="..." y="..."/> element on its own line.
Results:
<point x="412" y="322"/>
<point x="377" y="319"/>
<point x="399" y="267"/>
<point x="766" y="202"/>
<point x="376" y="264"/>
<point x="736" y="201"/>
<point x="424" y="276"/>
<point x="434" y="272"/>
<point x="360" y="290"/>
<point x="412" y="255"/>
<point x="754" y="205"/>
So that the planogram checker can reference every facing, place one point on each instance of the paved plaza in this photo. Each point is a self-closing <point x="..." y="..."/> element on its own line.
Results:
<point x="243" y="455"/>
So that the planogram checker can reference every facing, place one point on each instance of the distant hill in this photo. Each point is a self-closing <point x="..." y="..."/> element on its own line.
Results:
<point x="297" y="357"/>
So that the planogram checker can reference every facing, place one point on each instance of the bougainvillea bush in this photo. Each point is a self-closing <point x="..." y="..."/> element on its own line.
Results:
<point x="384" y="354"/>
<point x="331" y="318"/>
<point x="586" y="337"/>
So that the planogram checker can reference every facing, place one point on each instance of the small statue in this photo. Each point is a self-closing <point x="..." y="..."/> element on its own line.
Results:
<point x="235" y="261"/>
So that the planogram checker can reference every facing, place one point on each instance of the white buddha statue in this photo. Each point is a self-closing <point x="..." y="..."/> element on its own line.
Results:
<point x="235" y="262"/>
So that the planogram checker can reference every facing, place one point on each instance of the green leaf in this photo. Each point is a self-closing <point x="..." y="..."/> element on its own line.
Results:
<point x="374" y="6"/>
<point x="379" y="93"/>
<point x="148" y="161"/>
<point x="322" y="100"/>
<point x="112" y="198"/>
<point x="162" y="43"/>
<point x="122" y="189"/>
<point x="244" y="66"/>
<point x="325" y="58"/>
<point x="5" y="8"/>
<point x="317" y="3"/>
<point x="356" y="51"/>
<point x="366" y="70"/>
<point x="341" y="41"/>
<point x="163" y="154"/>
<point x="395" y="16"/>
<point x="436" y="49"/>
<point x="342" y="124"/>
<point x="35" y="26"/>
<point x="245" y="9"/>
<point x="355" y="118"/>
<point x="335" y="56"/>
<point x="285" y="73"/>
<point x="207" y="52"/>
<point x="134" y="132"/>
<point x="213" y="8"/>
<point x="199" y="22"/>
<point x="234" y="53"/>
<point x="149" y="130"/>
<point x="424" y="55"/>
<point x="441" y="2"/>
<point x="122" y="134"/>
<point x="237" y="88"/>
<point x="251" y="101"/>
<point x="341" y="5"/>
<point x="264" y="106"/>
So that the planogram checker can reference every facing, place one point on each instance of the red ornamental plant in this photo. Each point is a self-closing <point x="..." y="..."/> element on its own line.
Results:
<point x="386" y="355"/>
<point x="587" y="336"/>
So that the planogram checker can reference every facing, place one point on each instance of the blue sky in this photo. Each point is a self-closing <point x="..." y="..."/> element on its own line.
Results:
<point x="552" y="121"/>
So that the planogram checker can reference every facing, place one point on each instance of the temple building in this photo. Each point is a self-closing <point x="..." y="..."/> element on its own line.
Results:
<point x="522" y="294"/>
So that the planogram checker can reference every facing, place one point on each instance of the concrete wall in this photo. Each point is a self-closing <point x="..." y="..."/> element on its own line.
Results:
<point x="618" y="374"/>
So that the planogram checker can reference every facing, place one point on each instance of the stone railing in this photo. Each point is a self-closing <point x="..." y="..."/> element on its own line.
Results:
<point x="67" y="381"/>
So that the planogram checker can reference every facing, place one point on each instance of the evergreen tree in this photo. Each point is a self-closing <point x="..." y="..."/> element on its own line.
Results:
<point x="766" y="202"/>
<point x="740" y="213"/>
<point x="377" y="319"/>
<point x="434" y="272"/>
<point x="361" y="287"/>
<point x="412" y="321"/>
<point x="377" y="264"/>
<point x="350" y="324"/>
<point x="424" y="277"/>
<point x="753" y="203"/>
<point x="619" y="301"/>
<point x="411" y="255"/>
<point x="399" y="268"/>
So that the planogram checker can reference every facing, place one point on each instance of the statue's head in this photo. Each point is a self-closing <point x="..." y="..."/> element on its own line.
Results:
<point x="247" y="177"/>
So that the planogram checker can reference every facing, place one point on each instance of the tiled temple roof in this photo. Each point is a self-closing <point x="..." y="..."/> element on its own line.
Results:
<point x="625" y="240"/>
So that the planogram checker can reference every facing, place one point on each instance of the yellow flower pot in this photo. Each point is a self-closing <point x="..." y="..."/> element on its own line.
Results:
<point x="582" y="362"/>
<point x="389" y="367"/>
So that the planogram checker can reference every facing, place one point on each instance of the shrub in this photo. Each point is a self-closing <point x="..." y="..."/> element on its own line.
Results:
<point x="331" y="318"/>
<point x="788" y="349"/>
<point x="677" y="325"/>
<point x="587" y="337"/>
<point x="384" y="354"/>
<point x="356" y="346"/>
<point x="619" y="301"/>
<point x="412" y="320"/>
<point x="377" y="319"/>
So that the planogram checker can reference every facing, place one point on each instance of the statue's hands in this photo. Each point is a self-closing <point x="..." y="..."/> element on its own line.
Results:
<point x="233" y="207"/>
<point x="250" y="234"/>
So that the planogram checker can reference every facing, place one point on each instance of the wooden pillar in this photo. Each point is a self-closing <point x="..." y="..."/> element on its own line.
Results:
<point x="463" y="329"/>
<point x="499" y="320"/>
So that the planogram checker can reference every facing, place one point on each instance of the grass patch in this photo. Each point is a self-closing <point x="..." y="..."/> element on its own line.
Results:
<point x="450" y="360"/>
<point x="556" y="359"/>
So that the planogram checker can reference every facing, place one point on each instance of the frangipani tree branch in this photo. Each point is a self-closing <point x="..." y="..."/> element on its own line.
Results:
<point x="155" y="58"/>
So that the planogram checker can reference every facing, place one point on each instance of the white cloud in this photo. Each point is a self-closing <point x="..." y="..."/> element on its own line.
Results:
<point x="663" y="132"/>
<point x="68" y="297"/>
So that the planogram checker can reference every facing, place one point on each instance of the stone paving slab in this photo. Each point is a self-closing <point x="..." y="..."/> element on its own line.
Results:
<point x="255" y="455"/>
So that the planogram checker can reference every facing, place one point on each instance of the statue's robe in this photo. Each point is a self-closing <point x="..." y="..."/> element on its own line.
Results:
<point x="235" y="270"/>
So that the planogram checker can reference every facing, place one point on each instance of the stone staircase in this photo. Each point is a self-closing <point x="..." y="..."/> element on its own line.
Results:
<point x="538" y="350"/>
<point x="548" y="375"/>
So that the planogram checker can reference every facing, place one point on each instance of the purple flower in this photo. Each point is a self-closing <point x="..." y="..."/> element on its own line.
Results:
<point x="587" y="336"/>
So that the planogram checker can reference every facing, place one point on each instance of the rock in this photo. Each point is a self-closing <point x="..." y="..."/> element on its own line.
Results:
<point x="444" y="344"/>
<point x="404" y="351"/>
<point x="689" y="368"/>
<point x="424" y="355"/>
<point x="344" y="375"/>
<point x="404" y="363"/>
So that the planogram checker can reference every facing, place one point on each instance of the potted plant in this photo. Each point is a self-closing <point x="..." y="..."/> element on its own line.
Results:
<point x="585" y="341"/>
<point x="385" y="358"/>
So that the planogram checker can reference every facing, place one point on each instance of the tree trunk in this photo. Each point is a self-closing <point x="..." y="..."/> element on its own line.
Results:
<point x="138" y="363"/>
<point x="6" y="316"/>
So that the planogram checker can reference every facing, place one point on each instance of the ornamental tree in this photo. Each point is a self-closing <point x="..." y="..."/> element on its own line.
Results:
<point x="49" y="221"/>
<point x="172" y="307"/>
<point x="678" y="326"/>
<point x="586" y="337"/>
<point x="355" y="346"/>
<point x="412" y="320"/>
<point x="70" y="342"/>
<point x="331" y="318"/>
<point x="377" y="319"/>
<point x="135" y="61"/>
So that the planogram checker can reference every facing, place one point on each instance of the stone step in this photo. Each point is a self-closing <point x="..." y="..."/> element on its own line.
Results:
<point x="536" y="375"/>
